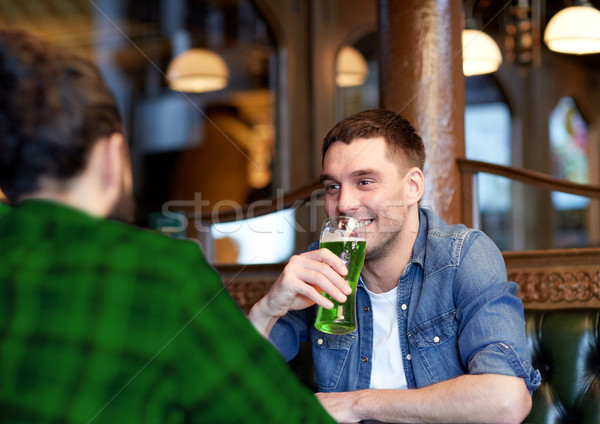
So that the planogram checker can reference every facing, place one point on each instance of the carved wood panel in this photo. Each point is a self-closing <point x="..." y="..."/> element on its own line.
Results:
<point x="247" y="292"/>
<point x="549" y="288"/>
<point x="553" y="279"/>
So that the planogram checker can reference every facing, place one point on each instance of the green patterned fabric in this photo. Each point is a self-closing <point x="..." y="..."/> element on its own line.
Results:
<point x="101" y="322"/>
<point x="4" y="208"/>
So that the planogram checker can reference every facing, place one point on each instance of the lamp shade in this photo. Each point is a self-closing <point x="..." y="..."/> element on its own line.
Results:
<point x="197" y="71"/>
<point x="350" y="68"/>
<point x="481" y="54"/>
<point x="574" y="30"/>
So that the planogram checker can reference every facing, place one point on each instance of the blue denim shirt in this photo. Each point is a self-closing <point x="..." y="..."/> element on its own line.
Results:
<point x="457" y="314"/>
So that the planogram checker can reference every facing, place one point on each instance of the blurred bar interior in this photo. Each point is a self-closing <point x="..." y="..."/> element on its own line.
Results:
<point x="262" y="81"/>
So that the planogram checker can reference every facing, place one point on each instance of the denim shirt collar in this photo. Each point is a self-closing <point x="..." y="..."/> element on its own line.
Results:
<point x="418" y="253"/>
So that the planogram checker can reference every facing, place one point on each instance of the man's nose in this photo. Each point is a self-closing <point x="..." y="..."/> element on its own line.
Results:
<point x="347" y="202"/>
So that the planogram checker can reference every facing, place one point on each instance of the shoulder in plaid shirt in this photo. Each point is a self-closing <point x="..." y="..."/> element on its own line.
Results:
<point x="101" y="322"/>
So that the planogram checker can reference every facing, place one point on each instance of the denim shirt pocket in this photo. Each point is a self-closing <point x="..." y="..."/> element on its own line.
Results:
<point x="330" y="354"/>
<point x="434" y="342"/>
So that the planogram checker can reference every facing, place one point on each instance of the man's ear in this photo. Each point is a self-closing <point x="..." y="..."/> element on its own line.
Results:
<point x="415" y="184"/>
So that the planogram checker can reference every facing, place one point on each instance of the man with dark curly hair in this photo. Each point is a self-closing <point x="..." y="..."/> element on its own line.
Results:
<point x="101" y="321"/>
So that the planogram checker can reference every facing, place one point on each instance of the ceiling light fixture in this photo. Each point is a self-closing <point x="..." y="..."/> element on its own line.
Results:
<point x="350" y="68"/>
<point x="481" y="54"/>
<point x="197" y="71"/>
<point x="574" y="30"/>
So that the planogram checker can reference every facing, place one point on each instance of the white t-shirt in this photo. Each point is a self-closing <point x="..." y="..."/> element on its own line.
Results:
<point x="387" y="370"/>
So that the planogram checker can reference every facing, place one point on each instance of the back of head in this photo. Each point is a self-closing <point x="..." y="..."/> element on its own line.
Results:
<point x="398" y="133"/>
<point x="53" y="108"/>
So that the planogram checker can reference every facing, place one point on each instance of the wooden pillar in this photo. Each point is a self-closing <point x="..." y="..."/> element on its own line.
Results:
<point x="421" y="78"/>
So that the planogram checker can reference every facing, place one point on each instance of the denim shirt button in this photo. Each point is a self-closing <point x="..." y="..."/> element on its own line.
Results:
<point x="365" y="359"/>
<point x="408" y="357"/>
<point x="320" y="342"/>
<point x="403" y="307"/>
<point x="366" y="309"/>
<point x="436" y="339"/>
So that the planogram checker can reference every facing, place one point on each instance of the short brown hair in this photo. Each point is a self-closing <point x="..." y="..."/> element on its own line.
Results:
<point x="397" y="132"/>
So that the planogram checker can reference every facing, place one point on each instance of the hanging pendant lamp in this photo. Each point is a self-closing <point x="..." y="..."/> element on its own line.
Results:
<point x="197" y="71"/>
<point x="350" y="68"/>
<point x="574" y="30"/>
<point x="481" y="54"/>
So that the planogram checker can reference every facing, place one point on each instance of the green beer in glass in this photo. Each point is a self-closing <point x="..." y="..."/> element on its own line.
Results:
<point x="344" y="236"/>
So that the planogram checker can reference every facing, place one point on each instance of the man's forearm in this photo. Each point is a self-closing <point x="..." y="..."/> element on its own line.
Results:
<point x="471" y="398"/>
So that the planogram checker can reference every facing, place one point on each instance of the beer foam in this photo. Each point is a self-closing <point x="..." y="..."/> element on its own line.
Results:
<point x="328" y="237"/>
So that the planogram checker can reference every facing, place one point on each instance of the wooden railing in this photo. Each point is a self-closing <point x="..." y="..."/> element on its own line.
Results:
<point x="469" y="168"/>
<point x="547" y="279"/>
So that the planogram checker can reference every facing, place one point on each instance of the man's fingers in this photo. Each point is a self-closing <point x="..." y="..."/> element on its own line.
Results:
<point x="331" y="266"/>
<point x="330" y="258"/>
<point x="315" y="296"/>
<point x="321" y="276"/>
<point x="305" y="280"/>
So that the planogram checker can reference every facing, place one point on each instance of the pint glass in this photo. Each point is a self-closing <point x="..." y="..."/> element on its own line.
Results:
<point x="344" y="236"/>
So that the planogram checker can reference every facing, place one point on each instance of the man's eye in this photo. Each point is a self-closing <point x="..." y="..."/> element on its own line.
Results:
<point x="364" y="182"/>
<point x="331" y="187"/>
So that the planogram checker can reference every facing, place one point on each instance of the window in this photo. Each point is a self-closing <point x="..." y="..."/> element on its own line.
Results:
<point x="488" y="139"/>
<point x="265" y="239"/>
<point x="569" y="152"/>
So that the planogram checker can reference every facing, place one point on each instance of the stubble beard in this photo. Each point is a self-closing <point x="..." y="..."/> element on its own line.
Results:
<point x="387" y="243"/>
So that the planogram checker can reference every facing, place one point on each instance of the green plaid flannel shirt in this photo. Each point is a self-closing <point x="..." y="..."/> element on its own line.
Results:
<point x="4" y="208"/>
<point x="101" y="322"/>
